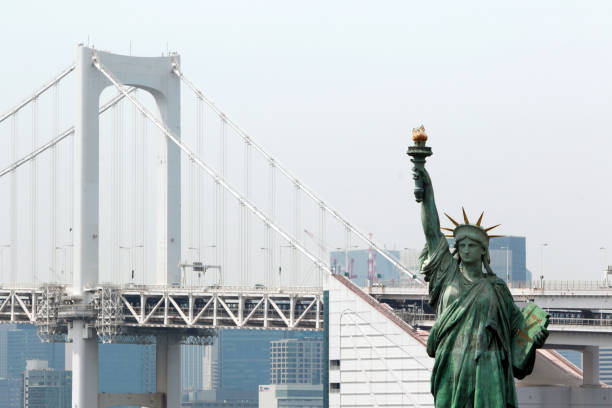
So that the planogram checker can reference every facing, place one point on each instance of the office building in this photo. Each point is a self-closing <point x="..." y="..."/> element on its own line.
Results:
<point x="126" y="368"/>
<point x="19" y="343"/>
<point x="232" y="369"/>
<point x="192" y="367"/>
<point x="359" y="269"/>
<point x="11" y="390"/>
<point x="44" y="387"/>
<point x="296" y="361"/>
<point x="605" y="365"/>
<point x="291" y="396"/>
<point x="509" y="257"/>
<point x="235" y="365"/>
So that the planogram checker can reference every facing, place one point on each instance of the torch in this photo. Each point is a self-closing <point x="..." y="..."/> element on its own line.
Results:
<point x="419" y="152"/>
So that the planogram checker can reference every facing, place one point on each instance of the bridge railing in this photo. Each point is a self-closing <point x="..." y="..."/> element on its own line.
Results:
<point x="559" y="285"/>
<point x="207" y="288"/>
<point x="417" y="318"/>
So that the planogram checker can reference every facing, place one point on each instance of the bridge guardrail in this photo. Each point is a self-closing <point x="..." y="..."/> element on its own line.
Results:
<point x="561" y="285"/>
<point x="416" y="318"/>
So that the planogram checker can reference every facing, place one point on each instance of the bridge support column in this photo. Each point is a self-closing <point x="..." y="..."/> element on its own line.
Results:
<point x="168" y="369"/>
<point x="84" y="365"/>
<point x="590" y="366"/>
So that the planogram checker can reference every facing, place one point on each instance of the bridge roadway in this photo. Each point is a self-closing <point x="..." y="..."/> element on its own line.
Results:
<point x="141" y="310"/>
<point x="581" y="312"/>
<point x="133" y="312"/>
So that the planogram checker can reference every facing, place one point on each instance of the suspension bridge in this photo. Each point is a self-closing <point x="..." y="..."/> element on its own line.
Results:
<point x="140" y="214"/>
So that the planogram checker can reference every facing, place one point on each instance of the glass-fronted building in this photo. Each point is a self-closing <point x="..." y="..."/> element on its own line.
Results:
<point x="296" y="361"/>
<point x="357" y="269"/>
<point x="19" y="343"/>
<point x="126" y="368"/>
<point x="44" y="387"/>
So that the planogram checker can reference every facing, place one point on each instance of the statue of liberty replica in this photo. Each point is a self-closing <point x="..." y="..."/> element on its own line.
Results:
<point x="481" y="340"/>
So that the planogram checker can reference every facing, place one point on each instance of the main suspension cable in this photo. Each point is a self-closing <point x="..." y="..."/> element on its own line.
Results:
<point x="36" y="94"/>
<point x="58" y="138"/>
<point x="208" y="169"/>
<point x="336" y="214"/>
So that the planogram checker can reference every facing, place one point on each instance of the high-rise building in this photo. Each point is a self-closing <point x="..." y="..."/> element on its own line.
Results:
<point x="509" y="257"/>
<point x="296" y="361"/>
<point x="19" y="343"/>
<point x="11" y="390"/>
<point x="605" y="365"/>
<point x="4" y="328"/>
<point x="355" y="264"/>
<point x="235" y="365"/>
<point x="243" y="358"/>
<point x="232" y="369"/>
<point x="44" y="387"/>
<point x="126" y="368"/>
<point x="192" y="367"/>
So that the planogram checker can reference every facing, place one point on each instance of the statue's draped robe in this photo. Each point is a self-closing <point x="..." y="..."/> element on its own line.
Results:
<point x="472" y="337"/>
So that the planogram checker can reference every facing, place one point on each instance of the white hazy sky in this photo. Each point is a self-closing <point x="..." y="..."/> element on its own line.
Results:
<point x="517" y="101"/>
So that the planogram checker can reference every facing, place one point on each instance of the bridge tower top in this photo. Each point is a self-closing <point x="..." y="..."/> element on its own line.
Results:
<point x="155" y="75"/>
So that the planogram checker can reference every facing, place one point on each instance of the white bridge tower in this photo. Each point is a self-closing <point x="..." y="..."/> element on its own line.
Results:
<point x="156" y="76"/>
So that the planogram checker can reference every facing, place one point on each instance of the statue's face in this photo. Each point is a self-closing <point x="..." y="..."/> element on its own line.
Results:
<point x="470" y="251"/>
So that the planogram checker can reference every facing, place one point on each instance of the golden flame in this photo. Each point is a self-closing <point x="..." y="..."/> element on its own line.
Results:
<point x="419" y="135"/>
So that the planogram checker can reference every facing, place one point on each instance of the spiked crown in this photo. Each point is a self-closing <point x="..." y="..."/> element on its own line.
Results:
<point x="473" y="231"/>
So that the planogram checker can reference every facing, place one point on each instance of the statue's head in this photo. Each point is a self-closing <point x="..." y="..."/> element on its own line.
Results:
<point x="470" y="251"/>
<point x="472" y="241"/>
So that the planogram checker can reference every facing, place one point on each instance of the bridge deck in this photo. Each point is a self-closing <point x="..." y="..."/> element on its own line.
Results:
<point x="141" y="309"/>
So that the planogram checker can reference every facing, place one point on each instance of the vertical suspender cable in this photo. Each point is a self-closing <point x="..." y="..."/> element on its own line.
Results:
<point x="33" y="196"/>
<point x="272" y="237"/>
<point x="135" y="206"/>
<point x="323" y="242"/>
<point x="52" y="176"/>
<point x="115" y="195"/>
<point x="246" y="222"/>
<point x="247" y="214"/>
<point x="223" y="202"/>
<point x="68" y="250"/>
<point x="143" y="216"/>
<point x="197" y="182"/>
<point x="189" y="197"/>
<point x="295" y="273"/>
<point x="241" y="229"/>
<point x="120" y="194"/>
<point x="13" y="201"/>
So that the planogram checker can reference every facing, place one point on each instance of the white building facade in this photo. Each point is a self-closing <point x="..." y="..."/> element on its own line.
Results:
<point x="376" y="359"/>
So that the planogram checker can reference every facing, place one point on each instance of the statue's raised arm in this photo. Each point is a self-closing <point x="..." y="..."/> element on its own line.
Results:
<point x="481" y="340"/>
<point x="423" y="191"/>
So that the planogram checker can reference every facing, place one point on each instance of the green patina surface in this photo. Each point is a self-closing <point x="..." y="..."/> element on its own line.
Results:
<point x="481" y="340"/>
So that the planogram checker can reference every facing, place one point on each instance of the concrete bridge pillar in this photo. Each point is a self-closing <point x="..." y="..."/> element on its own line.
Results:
<point x="590" y="366"/>
<point x="84" y="365"/>
<point x="168" y="369"/>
